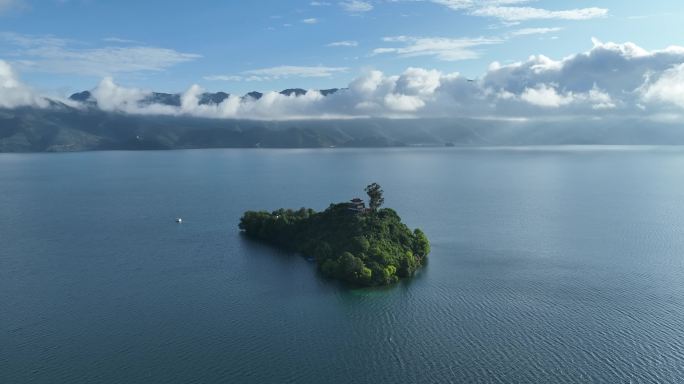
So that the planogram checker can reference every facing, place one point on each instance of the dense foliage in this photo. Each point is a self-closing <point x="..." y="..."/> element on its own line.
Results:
<point x="375" y="192"/>
<point x="363" y="248"/>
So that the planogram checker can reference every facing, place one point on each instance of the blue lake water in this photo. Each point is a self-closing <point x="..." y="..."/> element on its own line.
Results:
<point x="549" y="265"/>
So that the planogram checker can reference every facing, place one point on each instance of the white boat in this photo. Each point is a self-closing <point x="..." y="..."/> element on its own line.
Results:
<point x="179" y="220"/>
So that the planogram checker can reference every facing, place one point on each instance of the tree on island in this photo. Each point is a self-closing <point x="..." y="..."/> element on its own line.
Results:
<point x="375" y="192"/>
<point x="347" y="244"/>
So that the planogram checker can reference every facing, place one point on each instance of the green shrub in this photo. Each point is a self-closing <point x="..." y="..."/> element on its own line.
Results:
<point x="369" y="248"/>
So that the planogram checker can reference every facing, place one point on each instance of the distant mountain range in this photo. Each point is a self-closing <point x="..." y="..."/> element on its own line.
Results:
<point x="207" y="98"/>
<point x="61" y="128"/>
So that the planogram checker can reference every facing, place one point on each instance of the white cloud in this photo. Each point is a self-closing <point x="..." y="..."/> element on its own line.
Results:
<point x="111" y="97"/>
<point x="285" y="71"/>
<point x="13" y="93"/>
<point x="511" y="11"/>
<point x="120" y="40"/>
<point x="115" y="98"/>
<point x="224" y="78"/>
<point x="599" y="99"/>
<point x="368" y="83"/>
<point x="29" y="41"/>
<point x="468" y="4"/>
<point x="608" y="80"/>
<point x="548" y="96"/>
<point x="279" y="72"/>
<point x="668" y="88"/>
<point x="403" y="103"/>
<point x="296" y="71"/>
<point x="356" y="6"/>
<point x="311" y="20"/>
<point x="615" y="68"/>
<point x="535" y="31"/>
<point x="371" y="94"/>
<point x="544" y="95"/>
<point x="452" y="49"/>
<point x="418" y="81"/>
<point x="442" y="48"/>
<point x="529" y="13"/>
<point x="54" y="55"/>
<point x="344" y="43"/>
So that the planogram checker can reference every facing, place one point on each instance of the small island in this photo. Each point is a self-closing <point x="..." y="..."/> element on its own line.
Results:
<point x="364" y="246"/>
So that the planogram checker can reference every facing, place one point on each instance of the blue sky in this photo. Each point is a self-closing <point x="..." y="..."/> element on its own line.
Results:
<point x="238" y="46"/>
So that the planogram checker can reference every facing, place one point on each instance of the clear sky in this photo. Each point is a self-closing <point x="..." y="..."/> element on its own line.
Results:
<point x="238" y="46"/>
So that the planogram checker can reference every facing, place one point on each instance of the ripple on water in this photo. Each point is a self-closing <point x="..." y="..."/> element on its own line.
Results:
<point x="549" y="266"/>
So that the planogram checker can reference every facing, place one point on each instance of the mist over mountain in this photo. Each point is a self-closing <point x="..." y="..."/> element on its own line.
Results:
<point x="608" y="81"/>
<point x="611" y="94"/>
<point x="63" y="128"/>
<point x="204" y="98"/>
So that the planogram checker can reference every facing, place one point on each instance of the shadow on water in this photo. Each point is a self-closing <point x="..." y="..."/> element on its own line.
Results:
<point x="254" y="246"/>
<point x="263" y="248"/>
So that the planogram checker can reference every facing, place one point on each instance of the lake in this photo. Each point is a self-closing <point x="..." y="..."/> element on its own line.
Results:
<point x="548" y="265"/>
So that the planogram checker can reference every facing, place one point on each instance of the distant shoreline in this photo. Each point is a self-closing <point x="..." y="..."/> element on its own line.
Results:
<point x="521" y="148"/>
<point x="30" y="130"/>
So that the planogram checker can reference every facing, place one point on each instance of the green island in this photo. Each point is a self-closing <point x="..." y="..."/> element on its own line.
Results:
<point x="364" y="246"/>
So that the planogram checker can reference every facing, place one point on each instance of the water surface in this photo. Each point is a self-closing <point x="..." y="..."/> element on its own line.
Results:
<point x="553" y="264"/>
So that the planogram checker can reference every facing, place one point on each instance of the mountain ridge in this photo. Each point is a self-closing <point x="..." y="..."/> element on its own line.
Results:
<point x="63" y="128"/>
<point x="206" y="98"/>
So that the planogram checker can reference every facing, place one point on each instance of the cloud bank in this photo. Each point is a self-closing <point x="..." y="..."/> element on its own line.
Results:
<point x="15" y="94"/>
<point x="610" y="79"/>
